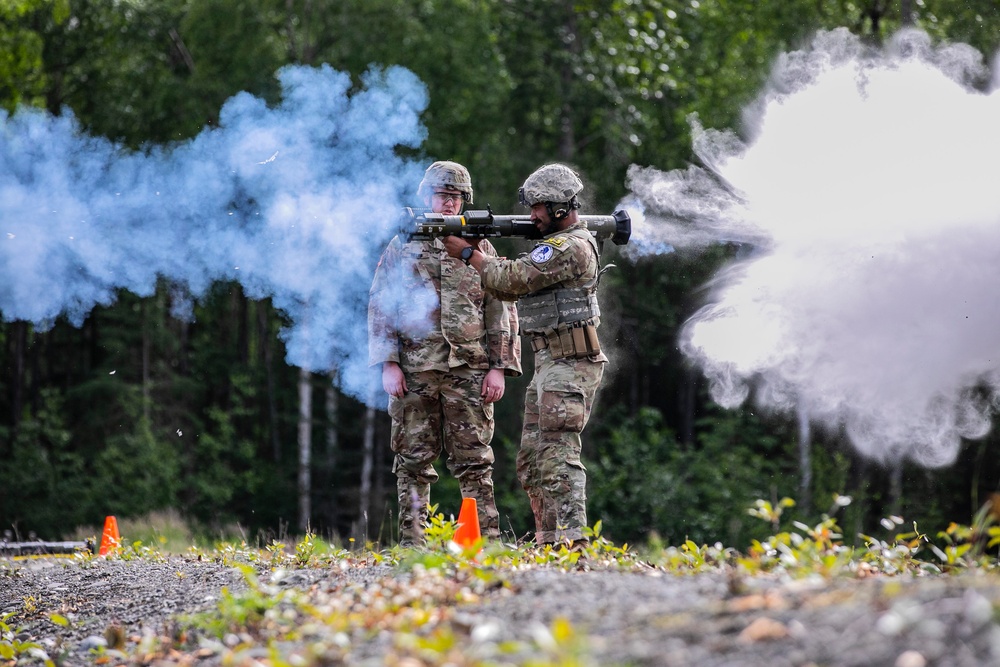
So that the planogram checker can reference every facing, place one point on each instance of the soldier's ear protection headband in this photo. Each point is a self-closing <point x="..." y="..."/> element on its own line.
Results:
<point x="559" y="211"/>
<point x="556" y="211"/>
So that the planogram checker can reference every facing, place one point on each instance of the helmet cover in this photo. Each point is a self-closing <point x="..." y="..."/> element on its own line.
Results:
<point x="445" y="174"/>
<point x="550" y="183"/>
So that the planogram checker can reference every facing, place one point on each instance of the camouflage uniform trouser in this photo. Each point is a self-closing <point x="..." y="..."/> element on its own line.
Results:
<point x="557" y="406"/>
<point x="442" y="411"/>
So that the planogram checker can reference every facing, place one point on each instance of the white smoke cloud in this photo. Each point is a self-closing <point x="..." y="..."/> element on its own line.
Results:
<point x="295" y="202"/>
<point x="868" y="188"/>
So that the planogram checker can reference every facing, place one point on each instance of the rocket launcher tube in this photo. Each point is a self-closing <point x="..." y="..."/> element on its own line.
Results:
<point x="421" y="225"/>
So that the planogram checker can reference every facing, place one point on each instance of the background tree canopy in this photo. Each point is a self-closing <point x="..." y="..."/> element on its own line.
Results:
<point x="89" y="414"/>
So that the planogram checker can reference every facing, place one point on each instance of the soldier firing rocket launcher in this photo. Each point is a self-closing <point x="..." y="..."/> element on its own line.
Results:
<point x="422" y="225"/>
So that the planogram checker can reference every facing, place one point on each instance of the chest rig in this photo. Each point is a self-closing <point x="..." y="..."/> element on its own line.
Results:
<point x="562" y="319"/>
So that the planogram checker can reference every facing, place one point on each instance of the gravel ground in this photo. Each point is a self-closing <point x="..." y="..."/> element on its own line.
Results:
<point x="641" y="617"/>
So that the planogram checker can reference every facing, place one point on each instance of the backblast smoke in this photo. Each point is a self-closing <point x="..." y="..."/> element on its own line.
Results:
<point x="867" y="188"/>
<point x="294" y="202"/>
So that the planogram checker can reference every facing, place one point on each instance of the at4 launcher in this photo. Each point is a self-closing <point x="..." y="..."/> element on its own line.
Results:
<point x="422" y="225"/>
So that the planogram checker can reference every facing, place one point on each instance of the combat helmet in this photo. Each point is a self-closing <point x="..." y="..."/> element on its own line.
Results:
<point x="554" y="185"/>
<point x="445" y="174"/>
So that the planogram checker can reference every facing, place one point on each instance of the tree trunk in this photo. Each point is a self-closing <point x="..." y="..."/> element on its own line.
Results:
<point x="367" y="467"/>
<point x="567" y="134"/>
<point x="304" y="51"/>
<point x="332" y="441"/>
<point x="34" y="376"/>
<point x="906" y="13"/>
<point x="896" y="488"/>
<point x="272" y="401"/>
<point x="146" y="344"/>
<point x="19" y="331"/>
<point x="242" y="307"/>
<point x="184" y="336"/>
<point x="382" y="500"/>
<point x="805" y="461"/>
<point x="689" y="406"/>
<point x="305" y="448"/>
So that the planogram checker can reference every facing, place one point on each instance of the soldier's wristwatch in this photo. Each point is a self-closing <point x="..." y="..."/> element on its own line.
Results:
<point x="466" y="254"/>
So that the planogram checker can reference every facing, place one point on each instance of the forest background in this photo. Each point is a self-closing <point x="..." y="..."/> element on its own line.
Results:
<point x="137" y="411"/>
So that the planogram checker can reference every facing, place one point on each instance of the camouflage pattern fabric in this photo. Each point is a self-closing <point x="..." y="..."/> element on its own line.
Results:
<point x="563" y="260"/>
<point x="442" y="411"/>
<point x="468" y="326"/>
<point x="557" y="406"/>
<point x="560" y="397"/>
<point x="444" y="349"/>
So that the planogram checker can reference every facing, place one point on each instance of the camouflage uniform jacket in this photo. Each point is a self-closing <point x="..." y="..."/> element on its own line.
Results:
<point x="464" y="325"/>
<point x="564" y="259"/>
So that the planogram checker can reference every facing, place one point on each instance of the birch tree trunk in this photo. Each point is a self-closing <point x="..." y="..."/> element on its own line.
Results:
<point x="332" y="438"/>
<point x="305" y="448"/>
<point x="367" y="468"/>
<point x="805" y="460"/>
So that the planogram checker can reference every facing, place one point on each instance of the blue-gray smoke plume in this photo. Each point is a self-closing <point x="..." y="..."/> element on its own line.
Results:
<point x="868" y="187"/>
<point x="293" y="201"/>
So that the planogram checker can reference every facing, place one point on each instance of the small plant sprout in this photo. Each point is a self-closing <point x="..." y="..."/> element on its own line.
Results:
<point x="763" y="509"/>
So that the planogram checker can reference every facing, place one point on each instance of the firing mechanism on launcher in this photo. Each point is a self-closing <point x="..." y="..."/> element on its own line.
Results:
<point x="423" y="225"/>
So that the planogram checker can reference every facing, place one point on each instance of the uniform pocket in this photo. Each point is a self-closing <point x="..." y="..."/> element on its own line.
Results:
<point x="562" y="411"/>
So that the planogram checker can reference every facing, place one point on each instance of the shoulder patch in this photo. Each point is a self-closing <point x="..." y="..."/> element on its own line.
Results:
<point x="556" y="241"/>
<point x="542" y="253"/>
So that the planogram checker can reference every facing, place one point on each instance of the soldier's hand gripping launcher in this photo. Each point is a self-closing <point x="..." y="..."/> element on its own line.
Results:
<point x="422" y="225"/>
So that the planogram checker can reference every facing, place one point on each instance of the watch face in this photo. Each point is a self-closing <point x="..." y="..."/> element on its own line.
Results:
<point x="467" y="253"/>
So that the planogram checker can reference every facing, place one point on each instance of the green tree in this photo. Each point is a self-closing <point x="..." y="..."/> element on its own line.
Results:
<point x="200" y="412"/>
<point x="451" y="45"/>
<point x="22" y="77"/>
<point x="643" y="480"/>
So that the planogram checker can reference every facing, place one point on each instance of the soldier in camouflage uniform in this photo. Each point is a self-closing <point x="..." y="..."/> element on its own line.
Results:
<point x="443" y="358"/>
<point x="556" y="290"/>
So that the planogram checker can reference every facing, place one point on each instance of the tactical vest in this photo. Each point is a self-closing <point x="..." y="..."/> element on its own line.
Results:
<point x="563" y="319"/>
<point x="548" y="308"/>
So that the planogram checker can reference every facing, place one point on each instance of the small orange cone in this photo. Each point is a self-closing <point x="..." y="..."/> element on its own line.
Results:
<point x="110" y="539"/>
<point x="467" y="532"/>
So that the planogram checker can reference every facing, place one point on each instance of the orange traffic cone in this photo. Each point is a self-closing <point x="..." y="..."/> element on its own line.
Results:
<point x="110" y="539"/>
<point x="467" y="532"/>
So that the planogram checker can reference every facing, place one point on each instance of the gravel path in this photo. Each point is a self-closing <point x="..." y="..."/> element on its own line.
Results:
<point x="642" y="617"/>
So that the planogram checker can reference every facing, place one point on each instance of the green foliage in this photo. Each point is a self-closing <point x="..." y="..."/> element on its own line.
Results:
<point x="22" y="78"/>
<point x="219" y="467"/>
<point x="643" y="481"/>
<point x="41" y="459"/>
<point x="137" y="472"/>
<point x="463" y="66"/>
<point x="968" y="22"/>
<point x="228" y="46"/>
<point x="240" y="611"/>
<point x="13" y="648"/>
<point x="516" y="518"/>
